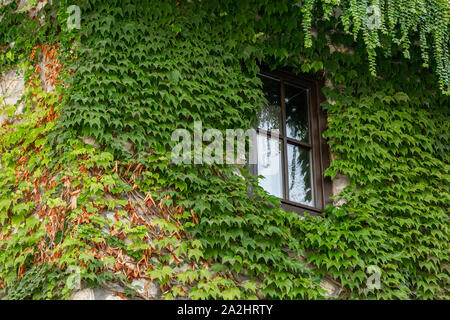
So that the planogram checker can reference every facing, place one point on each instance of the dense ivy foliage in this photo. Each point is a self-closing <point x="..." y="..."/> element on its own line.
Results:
<point x="172" y="76"/>
<point x="394" y="148"/>
<point x="36" y="254"/>
<point x="135" y="73"/>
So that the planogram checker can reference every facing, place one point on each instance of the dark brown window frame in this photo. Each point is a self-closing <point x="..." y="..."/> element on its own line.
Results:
<point x="318" y="145"/>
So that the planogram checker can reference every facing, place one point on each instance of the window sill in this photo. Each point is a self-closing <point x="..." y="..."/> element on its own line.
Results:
<point x="299" y="208"/>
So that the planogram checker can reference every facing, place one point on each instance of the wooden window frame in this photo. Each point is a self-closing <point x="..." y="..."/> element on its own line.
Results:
<point x="320" y="155"/>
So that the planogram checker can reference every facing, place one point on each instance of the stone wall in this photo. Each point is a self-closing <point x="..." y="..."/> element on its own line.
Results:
<point x="149" y="290"/>
<point x="12" y="89"/>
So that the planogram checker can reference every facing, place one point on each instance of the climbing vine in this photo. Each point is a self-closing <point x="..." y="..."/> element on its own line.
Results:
<point x="387" y="24"/>
<point x="87" y="183"/>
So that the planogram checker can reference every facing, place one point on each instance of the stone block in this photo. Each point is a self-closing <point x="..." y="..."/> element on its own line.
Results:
<point x="85" y="294"/>
<point x="148" y="288"/>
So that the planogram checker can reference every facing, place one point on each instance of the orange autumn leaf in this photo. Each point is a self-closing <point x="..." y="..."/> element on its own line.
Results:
<point x="194" y="217"/>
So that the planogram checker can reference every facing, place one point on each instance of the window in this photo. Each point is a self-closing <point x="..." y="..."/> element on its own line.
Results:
<point x="291" y="151"/>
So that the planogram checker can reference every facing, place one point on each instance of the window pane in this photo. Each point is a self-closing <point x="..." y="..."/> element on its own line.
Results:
<point x="300" y="175"/>
<point x="270" y="115"/>
<point x="269" y="165"/>
<point x="296" y="100"/>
